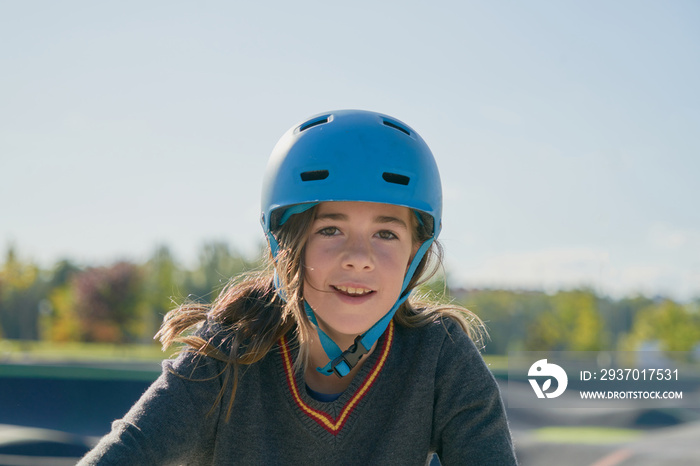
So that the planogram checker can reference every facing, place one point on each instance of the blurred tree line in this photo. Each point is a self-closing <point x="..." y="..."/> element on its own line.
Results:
<point x="125" y="303"/>
<point x="581" y="320"/>
<point x="118" y="303"/>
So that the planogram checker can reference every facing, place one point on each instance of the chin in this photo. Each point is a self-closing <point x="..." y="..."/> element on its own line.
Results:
<point x="349" y="327"/>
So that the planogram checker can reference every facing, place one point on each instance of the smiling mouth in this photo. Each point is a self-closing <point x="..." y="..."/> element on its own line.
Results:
<point x="350" y="291"/>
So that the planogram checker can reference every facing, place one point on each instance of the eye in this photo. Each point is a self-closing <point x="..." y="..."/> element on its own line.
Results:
<point x="328" y="231"/>
<point x="386" y="234"/>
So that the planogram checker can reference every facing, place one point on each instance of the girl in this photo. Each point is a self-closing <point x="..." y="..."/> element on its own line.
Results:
<point x="325" y="359"/>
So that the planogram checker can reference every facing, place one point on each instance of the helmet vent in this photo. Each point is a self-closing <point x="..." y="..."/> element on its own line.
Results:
<point x="314" y="175"/>
<point x="395" y="178"/>
<point x="395" y="125"/>
<point x="314" y="122"/>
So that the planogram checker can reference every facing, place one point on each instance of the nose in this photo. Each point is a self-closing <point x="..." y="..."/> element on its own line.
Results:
<point x="358" y="255"/>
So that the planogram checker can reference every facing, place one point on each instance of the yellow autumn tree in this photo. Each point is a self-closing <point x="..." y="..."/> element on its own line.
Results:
<point x="572" y="323"/>
<point x="672" y="326"/>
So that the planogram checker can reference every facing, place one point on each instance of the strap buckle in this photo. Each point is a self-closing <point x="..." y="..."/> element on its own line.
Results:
<point x="350" y="357"/>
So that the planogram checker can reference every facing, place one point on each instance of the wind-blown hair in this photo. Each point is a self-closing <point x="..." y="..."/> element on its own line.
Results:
<point x="249" y="316"/>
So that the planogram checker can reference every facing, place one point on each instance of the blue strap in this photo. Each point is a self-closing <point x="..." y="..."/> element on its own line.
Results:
<point x="274" y="246"/>
<point x="295" y="209"/>
<point x="329" y="346"/>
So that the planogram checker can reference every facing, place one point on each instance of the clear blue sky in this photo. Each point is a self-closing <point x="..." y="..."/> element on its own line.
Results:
<point x="566" y="131"/>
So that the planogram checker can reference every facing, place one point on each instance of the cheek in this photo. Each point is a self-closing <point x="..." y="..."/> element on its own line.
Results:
<point x="401" y="257"/>
<point x="311" y="259"/>
<point x="395" y="266"/>
<point x="313" y="265"/>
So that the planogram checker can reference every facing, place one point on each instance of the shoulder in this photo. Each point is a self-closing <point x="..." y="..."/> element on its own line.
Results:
<point x="443" y="332"/>
<point x="206" y="349"/>
<point x="453" y="350"/>
<point x="215" y="333"/>
<point x="441" y="348"/>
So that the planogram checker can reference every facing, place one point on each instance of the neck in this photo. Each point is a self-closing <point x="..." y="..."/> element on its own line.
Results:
<point x="318" y="358"/>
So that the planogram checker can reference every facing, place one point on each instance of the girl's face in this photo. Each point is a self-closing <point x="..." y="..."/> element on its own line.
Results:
<point x="355" y="260"/>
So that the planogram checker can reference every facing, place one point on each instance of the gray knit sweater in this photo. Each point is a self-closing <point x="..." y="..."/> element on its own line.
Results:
<point x="422" y="390"/>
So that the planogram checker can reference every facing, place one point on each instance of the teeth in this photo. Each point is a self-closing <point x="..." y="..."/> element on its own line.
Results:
<point x="353" y="291"/>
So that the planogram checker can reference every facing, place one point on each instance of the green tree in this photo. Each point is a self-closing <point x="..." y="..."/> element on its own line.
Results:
<point x="22" y="288"/>
<point x="61" y="322"/>
<point x="217" y="265"/>
<point x="163" y="281"/>
<point x="619" y="316"/>
<point x="673" y="326"/>
<point x="506" y="314"/>
<point x="573" y="323"/>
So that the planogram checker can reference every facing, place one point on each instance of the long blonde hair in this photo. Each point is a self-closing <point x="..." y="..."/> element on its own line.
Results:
<point x="252" y="316"/>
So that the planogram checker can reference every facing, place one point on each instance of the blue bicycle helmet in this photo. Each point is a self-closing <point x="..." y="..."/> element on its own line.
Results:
<point x="352" y="155"/>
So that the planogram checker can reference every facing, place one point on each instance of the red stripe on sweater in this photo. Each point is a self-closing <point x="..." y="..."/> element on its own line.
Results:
<point x="335" y="425"/>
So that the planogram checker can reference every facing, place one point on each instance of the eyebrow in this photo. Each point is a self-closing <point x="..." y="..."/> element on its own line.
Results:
<point x="378" y="219"/>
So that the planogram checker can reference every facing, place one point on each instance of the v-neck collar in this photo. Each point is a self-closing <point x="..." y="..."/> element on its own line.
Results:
<point x="333" y="416"/>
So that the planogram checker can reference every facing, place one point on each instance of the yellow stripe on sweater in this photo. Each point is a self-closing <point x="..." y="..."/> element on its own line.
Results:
<point x="324" y="419"/>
